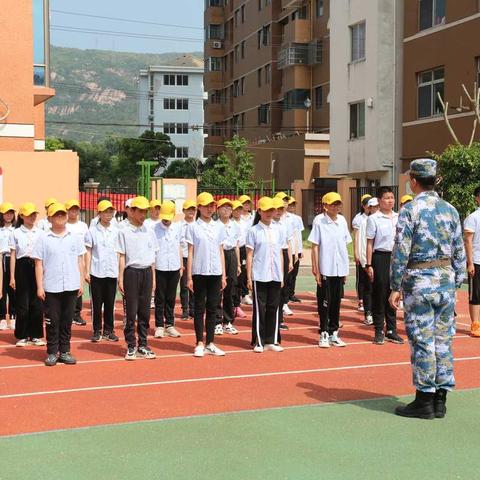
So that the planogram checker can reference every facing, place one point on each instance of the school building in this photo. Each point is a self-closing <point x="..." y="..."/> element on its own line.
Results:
<point x="28" y="173"/>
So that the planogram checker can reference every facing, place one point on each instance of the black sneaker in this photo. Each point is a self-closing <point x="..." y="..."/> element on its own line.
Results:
<point x="79" y="321"/>
<point x="394" y="337"/>
<point x="295" y="299"/>
<point x="67" y="359"/>
<point x="184" y="315"/>
<point x="110" y="336"/>
<point x="51" y="360"/>
<point x="191" y="314"/>
<point x="284" y="326"/>
<point x="145" y="352"/>
<point x="96" y="337"/>
<point x="379" y="338"/>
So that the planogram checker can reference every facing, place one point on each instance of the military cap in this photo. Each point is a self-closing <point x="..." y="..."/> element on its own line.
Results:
<point x="424" y="167"/>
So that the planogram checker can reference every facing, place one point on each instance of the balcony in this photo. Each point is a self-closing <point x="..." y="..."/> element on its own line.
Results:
<point x="297" y="31"/>
<point x="213" y="81"/>
<point x="300" y="54"/>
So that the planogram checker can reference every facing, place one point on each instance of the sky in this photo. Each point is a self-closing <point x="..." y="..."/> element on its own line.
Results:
<point x="123" y="36"/>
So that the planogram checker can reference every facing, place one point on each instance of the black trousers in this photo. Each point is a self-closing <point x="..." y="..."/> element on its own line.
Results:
<point x="329" y="297"/>
<point x="284" y="291"/>
<point x="8" y="291"/>
<point x="266" y="313"/>
<point x="29" y="321"/>
<point x="137" y="284"/>
<point x="59" y="309"/>
<point x="364" y="289"/>
<point x="227" y="307"/>
<point x="292" y="277"/>
<point x="382" y="312"/>
<point x="78" y="308"/>
<point x="165" y="294"/>
<point x="208" y="292"/>
<point x="241" y="287"/>
<point x="186" y="296"/>
<point x="103" y="292"/>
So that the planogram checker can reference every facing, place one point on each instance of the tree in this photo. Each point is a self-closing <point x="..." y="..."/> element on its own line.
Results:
<point x="189" y="168"/>
<point x="52" y="144"/>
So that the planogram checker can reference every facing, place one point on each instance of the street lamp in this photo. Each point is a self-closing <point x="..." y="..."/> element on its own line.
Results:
<point x="308" y="104"/>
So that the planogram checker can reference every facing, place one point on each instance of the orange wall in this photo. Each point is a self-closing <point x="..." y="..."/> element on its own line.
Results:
<point x="190" y="191"/>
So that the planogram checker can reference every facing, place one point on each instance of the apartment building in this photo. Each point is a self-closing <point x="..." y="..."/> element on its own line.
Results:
<point x="441" y="52"/>
<point x="171" y="101"/>
<point x="26" y="172"/>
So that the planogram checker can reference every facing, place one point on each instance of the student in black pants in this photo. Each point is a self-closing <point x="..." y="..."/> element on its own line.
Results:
<point x="186" y="296"/>
<point x="7" y="300"/>
<point x="206" y="272"/>
<point x="241" y="285"/>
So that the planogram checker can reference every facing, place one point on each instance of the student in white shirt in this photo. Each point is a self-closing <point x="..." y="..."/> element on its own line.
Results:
<point x="186" y="296"/>
<point x="265" y="276"/>
<point x="128" y="212"/>
<point x="381" y="229"/>
<point x="44" y="224"/>
<point x="59" y="271"/>
<point x="472" y="249"/>
<point x="231" y="252"/>
<point x="168" y="268"/>
<point x="241" y="287"/>
<point x="29" y="319"/>
<point x="297" y="247"/>
<point x="101" y="271"/>
<point x="247" y="217"/>
<point x="206" y="272"/>
<point x="330" y="237"/>
<point x="154" y="213"/>
<point x="7" y="301"/>
<point x="137" y="247"/>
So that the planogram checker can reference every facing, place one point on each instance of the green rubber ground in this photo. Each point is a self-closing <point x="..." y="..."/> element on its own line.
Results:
<point x="357" y="440"/>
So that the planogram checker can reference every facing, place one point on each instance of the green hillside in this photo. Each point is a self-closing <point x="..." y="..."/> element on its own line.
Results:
<point x="99" y="86"/>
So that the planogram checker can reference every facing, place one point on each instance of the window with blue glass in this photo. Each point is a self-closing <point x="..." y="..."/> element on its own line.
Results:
<point x="39" y="42"/>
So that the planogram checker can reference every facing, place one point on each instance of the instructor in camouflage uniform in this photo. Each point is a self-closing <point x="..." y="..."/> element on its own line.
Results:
<point x="428" y="263"/>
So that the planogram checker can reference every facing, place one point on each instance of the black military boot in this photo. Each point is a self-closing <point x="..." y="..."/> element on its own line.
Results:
<point x="440" y="403"/>
<point x="421" y="407"/>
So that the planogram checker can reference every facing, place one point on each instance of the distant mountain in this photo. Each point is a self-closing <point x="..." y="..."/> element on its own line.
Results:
<point x="99" y="86"/>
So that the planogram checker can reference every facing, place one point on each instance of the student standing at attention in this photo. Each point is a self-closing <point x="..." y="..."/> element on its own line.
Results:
<point x="7" y="302"/>
<point x="186" y="296"/>
<point x="330" y="237"/>
<point x="137" y="247"/>
<point x="101" y="271"/>
<point x="29" y="324"/>
<point x="381" y="228"/>
<point x="154" y="213"/>
<point x="297" y="246"/>
<point x="247" y="219"/>
<point x="265" y="242"/>
<point x="168" y="268"/>
<point x="44" y="224"/>
<point x="206" y="272"/>
<point x="59" y="271"/>
<point x="241" y="287"/>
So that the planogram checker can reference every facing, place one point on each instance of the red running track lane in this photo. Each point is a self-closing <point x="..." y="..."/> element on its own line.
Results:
<point x="104" y="389"/>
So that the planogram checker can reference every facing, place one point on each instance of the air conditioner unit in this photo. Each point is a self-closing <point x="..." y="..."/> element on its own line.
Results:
<point x="151" y="93"/>
<point x="216" y="44"/>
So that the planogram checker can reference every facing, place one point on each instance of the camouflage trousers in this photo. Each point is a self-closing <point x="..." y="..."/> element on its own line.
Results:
<point x="430" y="326"/>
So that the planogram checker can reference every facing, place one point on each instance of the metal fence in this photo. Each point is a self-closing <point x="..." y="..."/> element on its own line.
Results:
<point x="356" y="193"/>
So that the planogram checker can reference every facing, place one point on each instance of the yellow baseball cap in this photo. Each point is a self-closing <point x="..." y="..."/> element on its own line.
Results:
<point x="291" y="200"/>
<point x="50" y="201"/>
<point x="104" y="205"/>
<point x="6" y="207"/>
<point x="281" y="195"/>
<point x="406" y="198"/>
<point x="55" y="208"/>
<point x="367" y="195"/>
<point x="236" y="204"/>
<point x="140" y="202"/>
<point x="168" y="211"/>
<point x="331" y="197"/>
<point x="205" y="199"/>
<point x="72" y="203"/>
<point x="244" y="198"/>
<point x="27" y="209"/>
<point x="278" y="202"/>
<point x="155" y="203"/>
<point x="265" y="203"/>
<point x="189" y="204"/>
<point x="224" y="201"/>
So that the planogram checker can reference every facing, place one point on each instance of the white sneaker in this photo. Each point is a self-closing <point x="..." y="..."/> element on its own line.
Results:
<point x="273" y="347"/>
<point x="324" y="343"/>
<point x="247" y="300"/>
<point x="368" y="320"/>
<point x="229" y="328"/>
<point x="286" y="311"/>
<point x="152" y="303"/>
<point x="159" y="332"/>
<point x="12" y="324"/>
<point x="3" y="325"/>
<point x="37" y="342"/>
<point x="258" y="349"/>
<point x="172" y="332"/>
<point x="199" y="351"/>
<point x="335" y="340"/>
<point x="22" y="343"/>
<point x="212" y="349"/>
<point x="360" y="308"/>
<point x="219" y="329"/>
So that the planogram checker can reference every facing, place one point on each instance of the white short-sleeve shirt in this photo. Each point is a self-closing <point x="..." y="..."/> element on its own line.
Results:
<point x="169" y="238"/>
<point x="360" y="227"/>
<point x="138" y="244"/>
<point x="206" y="239"/>
<point x="267" y="242"/>
<point x="79" y="228"/>
<point x="472" y="225"/>
<point x="382" y="228"/>
<point x="44" y="224"/>
<point x="102" y="241"/>
<point x="150" y="223"/>
<point x="59" y="255"/>
<point x="183" y="226"/>
<point x="232" y="234"/>
<point x="22" y="240"/>
<point x="332" y="237"/>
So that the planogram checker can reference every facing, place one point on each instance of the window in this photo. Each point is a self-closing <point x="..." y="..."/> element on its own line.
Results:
<point x="263" y="114"/>
<point x="237" y="53"/>
<point x="215" y="3"/>
<point x="316" y="49"/>
<point x="216" y="97"/>
<point x="319" y="8"/>
<point x="168" y="128"/>
<point x="357" y="120"/>
<point x="215" y="31"/>
<point x="182" y="103"/>
<point x="169" y="104"/>
<point x="430" y="84"/>
<point x="259" y="38"/>
<point x="358" y="41"/>
<point x="242" y="86"/>
<point x="300" y="13"/>
<point x="216" y="130"/>
<point x="181" y="152"/>
<point x="259" y="77"/>
<point x="477" y="61"/>
<point x="259" y="4"/>
<point x="235" y="18"/>
<point x="182" y="128"/>
<point x="215" y="64"/>
<point x="152" y="106"/>
<point x="242" y="120"/>
<point x="169" y="79"/>
<point x="40" y="43"/>
<point x="242" y="12"/>
<point x="432" y="13"/>
<point x="295" y="98"/>
<point x="236" y="90"/>
<point x="242" y="49"/>
<point x="182" y="80"/>
<point x="318" y="97"/>
<point x="265" y="35"/>
<point x="268" y="73"/>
